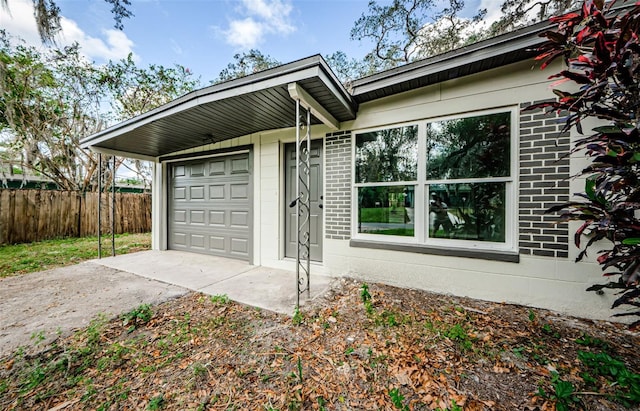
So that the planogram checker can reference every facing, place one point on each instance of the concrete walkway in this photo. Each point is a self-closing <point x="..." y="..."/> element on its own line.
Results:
<point x="263" y="287"/>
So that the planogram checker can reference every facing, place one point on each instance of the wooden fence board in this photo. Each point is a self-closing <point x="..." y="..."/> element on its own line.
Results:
<point x="34" y="215"/>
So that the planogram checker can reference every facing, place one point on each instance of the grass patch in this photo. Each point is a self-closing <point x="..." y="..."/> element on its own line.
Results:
<point x="18" y="259"/>
<point x="383" y="215"/>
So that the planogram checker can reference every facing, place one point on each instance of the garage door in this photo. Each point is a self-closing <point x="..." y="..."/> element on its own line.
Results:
<point x="210" y="206"/>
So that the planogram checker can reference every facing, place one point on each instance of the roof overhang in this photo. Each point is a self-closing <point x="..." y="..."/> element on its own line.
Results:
<point x="475" y="58"/>
<point x="252" y="104"/>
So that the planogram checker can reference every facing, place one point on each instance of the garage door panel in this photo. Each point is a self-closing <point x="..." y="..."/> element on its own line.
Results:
<point x="217" y="244"/>
<point x="239" y="219"/>
<point x="196" y="170"/>
<point x="217" y="167"/>
<point x="240" y="246"/>
<point x="240" y="165"/>
<point x="210" y="206"/>
<point x="178" y="171"/>
<point x="197" y="241"/>
<point x="196" y="217"/>
<point x="196" y="193"/>
<point x="217" y="217"/>
<point x="239" y="191"/>
<point x="179" y="216"/>
<point x="217" y="191"/>
<point x="180" y="239"/>
<point x="180" y="193"/>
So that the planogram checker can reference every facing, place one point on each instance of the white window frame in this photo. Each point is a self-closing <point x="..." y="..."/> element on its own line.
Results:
<point x="421" y="199"/>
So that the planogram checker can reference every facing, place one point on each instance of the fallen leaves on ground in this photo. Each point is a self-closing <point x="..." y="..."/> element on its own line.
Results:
<point x="404" y="349"/>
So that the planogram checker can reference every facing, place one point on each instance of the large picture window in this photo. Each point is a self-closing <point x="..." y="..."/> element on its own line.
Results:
<point x="444" y="181"/>
<point x="387" y="171"/>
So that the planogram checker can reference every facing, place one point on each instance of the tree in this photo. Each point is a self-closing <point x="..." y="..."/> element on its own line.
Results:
<point x="247" y="63"/>
<point x="349" y="69"/>
<point x="50" y="99"/>
<point x="408" y="30"/>
<point x="520" y="13"/>
<point x="601" y="49"/>
<point x="47" y="16"/>
<point x="135" y="90"/>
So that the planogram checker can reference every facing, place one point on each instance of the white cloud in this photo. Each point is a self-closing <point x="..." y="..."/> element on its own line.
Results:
<point x="112" y="45"/>
<point x="245" y="34"/>
<point x="494" y="11"/>
<point x="261" y="17"/>
<point x="274" y="14"/>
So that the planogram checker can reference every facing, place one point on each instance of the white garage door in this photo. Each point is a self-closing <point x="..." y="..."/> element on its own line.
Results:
<point x="210" y="206"/>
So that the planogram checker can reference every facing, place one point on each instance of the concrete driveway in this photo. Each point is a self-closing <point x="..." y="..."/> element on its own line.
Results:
<point x="43" y="305"/>
<point x="263" y="287"/>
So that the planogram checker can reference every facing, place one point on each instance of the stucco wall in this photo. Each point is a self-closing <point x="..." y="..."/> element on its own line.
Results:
<point x="545" y="278"/>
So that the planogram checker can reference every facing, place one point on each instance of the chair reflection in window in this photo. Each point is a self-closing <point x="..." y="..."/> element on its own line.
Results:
<point x="441" y="221"/>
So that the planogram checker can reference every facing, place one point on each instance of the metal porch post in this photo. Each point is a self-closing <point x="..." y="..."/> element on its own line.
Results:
<point x="303" y="209"/>
<point x="99" y="205"/>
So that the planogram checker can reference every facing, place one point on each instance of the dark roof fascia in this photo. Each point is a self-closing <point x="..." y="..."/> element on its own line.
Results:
<point x="522" y="39"/>
<point x="287" y="73"/>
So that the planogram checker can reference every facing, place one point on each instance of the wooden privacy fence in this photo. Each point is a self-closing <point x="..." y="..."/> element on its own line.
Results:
<point x="34" y="215"/>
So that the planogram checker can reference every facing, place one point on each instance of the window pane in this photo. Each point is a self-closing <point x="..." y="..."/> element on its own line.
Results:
<point x="387" y="155"/>
<point x="467" y="211"/>
<point x="470" y="147"/>
<point x="386" y="210"/>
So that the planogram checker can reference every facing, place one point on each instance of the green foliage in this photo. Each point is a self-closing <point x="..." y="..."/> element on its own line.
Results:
<point x="407" y="30"/>
<point x="247" y="63"/>
<point x="458" y="334"/>
<point x="600" y="47"/>
<point x="364" y="293"/>
<point x="138" y="316"/>
<point x="590" y="341"/>
<point x="51" y="98"/>
<point x="299" y="364"/>
<point x="397" y="399"/>
<point x="321" y="403"/>
<point x="298" y="318"/>
<point x="563" y="393"/>
<point x="454" y="407"/>
<point x="37" y="337"/>
<point x="220" y="299"/>
<point x="156" y="403"/>
<point x="135" y="90"/>
<point x="625" y="383"/>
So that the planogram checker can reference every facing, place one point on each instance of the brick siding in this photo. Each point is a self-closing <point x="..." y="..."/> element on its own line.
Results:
<point x="544" y="182"/>
<point x="337" y="202"/>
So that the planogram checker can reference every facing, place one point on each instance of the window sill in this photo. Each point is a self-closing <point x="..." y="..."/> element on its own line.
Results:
<point x="506" y="256"/>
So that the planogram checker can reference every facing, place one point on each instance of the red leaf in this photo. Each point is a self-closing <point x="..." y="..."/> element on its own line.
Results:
<point x="582" y="34"/>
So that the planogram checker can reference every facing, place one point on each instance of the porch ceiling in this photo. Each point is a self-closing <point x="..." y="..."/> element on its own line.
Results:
<point x="232" y="109"/>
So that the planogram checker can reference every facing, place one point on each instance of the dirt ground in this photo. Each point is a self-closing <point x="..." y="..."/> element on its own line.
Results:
<point x="384" y="349"/>
<point x="39" y="307"/>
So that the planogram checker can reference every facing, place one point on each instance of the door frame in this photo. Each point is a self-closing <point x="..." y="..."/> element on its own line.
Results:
<point x="285" y="201"/>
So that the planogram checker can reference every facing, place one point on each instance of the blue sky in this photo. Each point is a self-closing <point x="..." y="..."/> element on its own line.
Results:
<point x="203" y="35"/>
